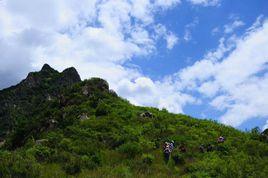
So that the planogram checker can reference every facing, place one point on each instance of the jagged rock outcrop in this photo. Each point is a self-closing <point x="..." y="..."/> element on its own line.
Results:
<point x="38" y="87"/>
<point x="48" y="76"/>
<point x="70" y="76"/>
<point x="95" y="84"/>
<point x="35" y="79"/>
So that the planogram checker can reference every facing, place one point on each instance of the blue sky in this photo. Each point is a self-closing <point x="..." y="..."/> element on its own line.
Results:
<point x="204" y="58"/>
<point x="187" y="52"/>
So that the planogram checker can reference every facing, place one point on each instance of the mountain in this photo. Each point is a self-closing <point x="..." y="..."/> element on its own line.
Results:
<point x="22" y="100"/>
<point x="53" y="124"/>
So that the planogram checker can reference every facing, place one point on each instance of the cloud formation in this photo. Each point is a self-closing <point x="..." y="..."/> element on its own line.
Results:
<point x="161" y="94"/>
<point x="97" y="37"/>
<point x="100" y="37"/>
<point x="188" y="30"/>
<point x="86" y="35"/>
<point x="229" y="28"/>
<point x="205" y="2"/>
<point x="234" y="77"/>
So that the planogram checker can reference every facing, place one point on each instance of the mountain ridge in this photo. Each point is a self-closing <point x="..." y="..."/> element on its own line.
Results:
<point x="42" y="81"/>
<point x="55" y="121"/>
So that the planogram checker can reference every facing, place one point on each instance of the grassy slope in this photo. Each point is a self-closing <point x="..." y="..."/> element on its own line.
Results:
<point x="116" y="142"/>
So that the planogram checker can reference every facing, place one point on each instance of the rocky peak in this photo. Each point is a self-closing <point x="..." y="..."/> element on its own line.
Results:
<point x="35" y="79"/>
<point x="71" y="73"/>
<point x="47" y="68"/>
<point x="70" y="76"/>
<point x="49" y="76"/>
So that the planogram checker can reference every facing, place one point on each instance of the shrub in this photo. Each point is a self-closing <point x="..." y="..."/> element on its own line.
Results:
<point x="223" y="149"/>
<point x="65" y="144"/>
<point x="73" y="166"/>
<point x="14" y="165"/>
<point x="102" y="109"/>
<point x="41" y="153"/>
<point x="86" y="162"/>
<point x="178" y="158"/>
<point x="131" y="149"/>
<point x="91" y="162"/>
<point x="147" y="159"/>
<point x="54" y="138"/>
<point x="255" y="133"/>
<point x="122" y="171"/>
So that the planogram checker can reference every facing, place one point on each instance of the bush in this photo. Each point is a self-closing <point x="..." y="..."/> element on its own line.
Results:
<point x="102" y="109"/>
<point x="41" y="153"/>
<point x="54" y="139"/>
<point x="91" y="162"/>
<point x="223" y="149"/>
<point x="131" y="149"/>
<point x="65" y="144"/>
<point x="147" y="159"/>
<point x="87" y="163"/>
<point x="12" y="165"/>
<point x="178" y="159"/>
<point x="122" y="171"/>
<point x="73" y="166"/>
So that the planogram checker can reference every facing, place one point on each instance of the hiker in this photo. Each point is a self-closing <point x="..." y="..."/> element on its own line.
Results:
<point x="171" y="145"/>
<point x="166" y="151"/>
<point x="146" y="114"/>
<point x="165" y="144"/>
<point x="209" y="148"/>
<point x="221" y="139"/>
<point x="202" y="148"/>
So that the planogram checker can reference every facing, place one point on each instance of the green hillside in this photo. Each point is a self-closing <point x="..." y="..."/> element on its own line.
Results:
<point x="55" y="125"/>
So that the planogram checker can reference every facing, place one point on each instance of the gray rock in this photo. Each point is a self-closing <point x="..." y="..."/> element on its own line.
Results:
<point x="83" y="117"/>
<point x="41" y="141"/>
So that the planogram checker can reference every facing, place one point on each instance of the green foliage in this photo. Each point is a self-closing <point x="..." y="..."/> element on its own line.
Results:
<point x="122" y="172"/>
<point x="255" y="133"/>
<point x="17" y="166"/>
<point x="147" y="159"/>
<point x="41" y="153"/>
<point x="114" y="141"/>
<point x="102" y="109"/>
<point x="72" y="166"/>
<point x="90" y="162"/>
<point x="178" y="158"/>
<point x="130" y="149"/>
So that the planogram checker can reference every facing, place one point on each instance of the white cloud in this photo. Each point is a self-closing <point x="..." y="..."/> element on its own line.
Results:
<point x="188" y="29"/>
<point x="167" y="3"/>
<point x="96" y="37"/>
<point x="187" y="35"/>
<point x="229" y="28"/>
<point x="234" y="76"/>
<point x="209" y="88"/>
<point x="171" y="39"/>
<point x="161" y="94"/>
<point x="87" y="31"/>
<point x="99" y="37"/>
<point x="206" y="2"/>
<point x="265" y="126"/>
